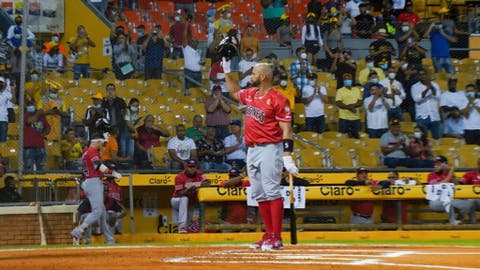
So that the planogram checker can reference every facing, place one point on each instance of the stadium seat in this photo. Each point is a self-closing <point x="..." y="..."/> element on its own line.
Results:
<point x="160" y="157"/>
<point x="203" y="7"/>
<point x="299" y="116"/>
<point x="351" y="142"/>
<point x="343" y="157"/>
<point x="443" y="149"/>
<point x="407" y="127"/>
<point x="332" y="135"/>
<point x="368" y="158"/>
<point x="468" y="155"/>
<point x="310" y="158"/>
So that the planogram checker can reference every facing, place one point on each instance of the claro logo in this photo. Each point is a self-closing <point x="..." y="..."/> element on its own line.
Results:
<point x="336" y="191"/>
<point x="236" y="191"/>
<point x="159" y="181"/>
<point x="390" y="191"/>
<point x="476" y="189"/>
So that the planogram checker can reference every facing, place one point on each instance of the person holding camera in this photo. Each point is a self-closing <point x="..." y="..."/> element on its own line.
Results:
<point x="155" y="47"/>
<point x="440" y="39"/>
<point x="80" y="51"/>
<point x="314" y="97"/>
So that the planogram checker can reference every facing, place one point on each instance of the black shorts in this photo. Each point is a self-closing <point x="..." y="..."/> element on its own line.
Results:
<point x="312" y="46"/>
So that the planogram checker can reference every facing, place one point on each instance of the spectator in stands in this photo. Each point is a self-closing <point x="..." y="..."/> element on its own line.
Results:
<point x="346" y="21"/>
<point x="441" y="174"/>
<point x="272" y="12"/>
<point x="333" y="44"/>
<point x="181" y="149"/>
<point x="440" y="39"/>
<point x="395" y="150"/>
<point x="362" y="211"/>
<point x="155" y="47"/>
<point x="116" y="107"/>
<point x="218" y="110"/>
<point x="279" y="70"/>
<point x="382" y="52"/>
<point x="406" y="36"/>
<point x="387" y="22"/>
<point x="18" y="26"/>
<point x="217" y="78"/>
<point x="369" y="67"/>
<point x="249" y="41"/>
<point x="148" y="136"/>
<point x="472" y="116"/>
<point x="72" y="151"/>
<point x="33" y="87"/>
<point x="287" y="89"/>
<point x="123" y="56"/>
<point x="142" y="35"/>
<point x="210" y="26"/>
<point x="354" y="7"/>
<point x="407" y="76"/>
<point x="314" y="97"/>
<point x="235" y="147"/>
<point x="224" y="23"/>
<point x="419" y="146"/>
<point x="245" y="67"/>
<point x="211" y="152"/>
<point x="176" y="33"/>
<point x="53" y="59"/>
<point x="342" y="64"/>
<point x="126" y="141"/>
<point x="193" y="61"/>
<point x="186" y="5"/>
<point x="110" y="150"/>
<point x="299" y="69"/>
<point x="372" y="80"/>
<point x="408" y="15"/>
<point x="112" y="12"/>
<point x="5" y="97"/>
<point x="35" y="128"/>
<point x="94" y="113"/>
<point x="472" y="178"/>
<point x="212" y="49"/>
<point x="448" y="19"/>
<point x="324" y="19"/>
<point x="197" y="131"/>
<point x="311" y="38"/>
<point x="390" y="207"/>
<point x="453" y="125"/>
<point x="376" y="108"/>
<point x="185" y="207"/>
<point x="36" y="55"/>
<point x="364" y="22"/>
<point x="414" y="53"/>
<point x="80" y="51"/>
<point x="452" y="99"/>
<point x="285" y="32"/>
<point x="9" y="194"/>
<point x="349" y="100"/>
<point x="395" y="93"/>
<point x="54" y="109"/>
<point x="426" y="94"/>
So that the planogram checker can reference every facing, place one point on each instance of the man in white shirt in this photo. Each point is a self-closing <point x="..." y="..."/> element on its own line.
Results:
<point x="314" y="97"/>
<point x="471" y="123"/>
<point x="18" y="23"/>
<point x="354" y="7"/>
<point x="193" y="61"/>
<point x="376" y="108"/>
<point x="452" y="98"/>
<point x="426" y="94"/>
<point x="6" y="96"/>
<point x="245" y="67"/>
<point x="180" y="149"/>
<point x="235" y="146"/>
<point x="395" y="93"/>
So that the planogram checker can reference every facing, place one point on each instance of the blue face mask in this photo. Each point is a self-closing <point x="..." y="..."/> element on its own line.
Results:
<point x="140" y="34"/>
<point x="97" y="106"/>
<point x="470" y="94"/>
<point x="211" y="19"/>
<point x="374" y="80"/>
<point x="347" y="83"/>
<point x="311" y="83"/>
<point x="17" y="36"/>
<point x="35" y="77"/>
<point x="53" y="95"/>
<point x="31" y="108"/>
<point x="384" y="66"/>
<point x="55" y="39"/>
<point x="370" y="65"/>
<point x="134" y="109"/>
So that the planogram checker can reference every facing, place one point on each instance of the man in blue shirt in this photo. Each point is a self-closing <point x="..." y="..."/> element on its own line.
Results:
<point x="440" y="39"/>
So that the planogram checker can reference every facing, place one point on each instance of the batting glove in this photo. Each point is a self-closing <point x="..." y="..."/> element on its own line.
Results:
<point x="290" y="165"/>
<point x="226" y="65"/>
<point x="117" y="175"/>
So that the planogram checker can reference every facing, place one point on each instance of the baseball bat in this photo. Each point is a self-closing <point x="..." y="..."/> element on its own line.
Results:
<point x="293" y="216"/>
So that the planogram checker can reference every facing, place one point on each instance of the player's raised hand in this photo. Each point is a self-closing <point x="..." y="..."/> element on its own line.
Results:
<point x="290" y="165"/>
<point x="226" y="65"/>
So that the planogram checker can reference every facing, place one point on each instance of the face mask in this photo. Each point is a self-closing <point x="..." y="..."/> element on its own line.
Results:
<point x="470" y="94"/>
<point x="31" y="108"/>
<point x="303" y="55"/>
<point x="284" y="83"/>
<point x="17" y="36"/>
<point x="370" y="65"/>
<point x="53" y="95"/>
<point x="311" y="83"/>
<point x="374" y="80"/>
<point x="154" y="33"/>
<point x="229" y="15"/>
<point x="391" y="75"/>
<point x="211" y="19"/>
<point x="134" y="109"/>
<point x="55" y="39"/>
<point x="384" y="66"/>
<point x="177" y="18"/>
<point x="417" y="135"/>
<point x="405" y="28"/>
<point x="367" y="12"/>
<point x="439" y="26"/>
<point x="97" y="106"/>
<point x="405" y="66"/>
<point x="35" y="77"/>
<point x="347" y="83"/>
<point x="140" y="34"/>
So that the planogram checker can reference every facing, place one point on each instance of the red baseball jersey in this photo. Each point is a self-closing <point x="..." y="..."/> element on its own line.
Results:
<point x="182" y="179"/>
<point x="114" y="194"/>
<point x="471" y="178"/>
<point x="236" y="212"/>
<point x="262" y="115"/>
<point x="435" y="178"/>
<point x="89" y="157"/>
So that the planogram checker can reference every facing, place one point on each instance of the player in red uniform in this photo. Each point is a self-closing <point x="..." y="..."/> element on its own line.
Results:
<point x="93" y="170"/>
<point x="268" y="134"/>
<point x="473" y="178"/>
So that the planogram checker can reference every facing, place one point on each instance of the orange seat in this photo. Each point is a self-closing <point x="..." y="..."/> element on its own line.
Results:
<point x="203" y="7"/>
<point x="166" y="6"/>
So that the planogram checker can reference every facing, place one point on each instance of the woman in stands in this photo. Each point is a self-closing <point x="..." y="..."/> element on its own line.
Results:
<point x="420" y="146"/>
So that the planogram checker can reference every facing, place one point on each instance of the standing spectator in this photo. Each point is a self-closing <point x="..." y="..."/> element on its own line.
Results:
<point x="377" y="107"/>
<point x="453" y="126"/>
<point x="442" y="173"/>
<point x="35" y="129"/>
<point x="186" y="5"/>
<point x="211" y="152"/>
<point x="472" y="178"/>
<point x="272" y="13"/>
<point x="406" y="36"/>
<point x="354" y="7"/>
<point x="314" y="97"/>
<point x="312" y="38"/>
<point x="123" y="58"/>
<point x="426" y="94"/>
<point x="249" y="41"/>
<point x="155" y="48"/>
<point x="285" y="33"/>
<point x="369" y="67"/>
<point x="148" y="136"/>
<point x="18" y="25"/>
<point x="346" y="21"/>
<point x="72" y="150"/>
<point x="395" y="92"/>
<point x="382" y="50"/>
<point x="126" y="140"/>
<point x="185" y="207"/>
<point x="413" y="54"/>
<point x="53" y="59"/>
<point x="420" y="146"/>
<point x="9" y="194"/>
<point x="372" y="80"/>
<point x="177" y="33"/>
<point x="349" y="100"/>
<point x="54" y="108"/>
<point x="287" y="89"/>
<point x="342" y="64"/>
<point x="5" y="97"/>
<point x="452" y="99"/>
<point x="224" y="23"/>
<point x="299" y="69"/>
<point x="116" y="107"/>
<point x="218" y="110"/>
<point x="110" y="149"/>
<point x="364" y="22"/>
<point x="80" y="51"/>
<point x="210" y="26"/>
<point x="408" y="15"/>
<point x="440" y="39"/>
<point x="235" y="147"/>
<point x="193" y="61"/>
<point x="95" y="113"/>
<point x="197" y="131"/>
<point x="407" y="76"/>
<point x="245" y="67"/>
<point x="472" y="116"/>
<point x="181" y="149"/>
<point x="140" y="52"/>
<point x="362" y="211"/>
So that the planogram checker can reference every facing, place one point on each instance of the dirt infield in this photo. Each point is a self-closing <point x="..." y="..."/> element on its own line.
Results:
<point x="240" y="257"/>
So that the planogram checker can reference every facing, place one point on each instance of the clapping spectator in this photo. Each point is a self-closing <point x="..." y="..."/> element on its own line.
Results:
<point x="314" y="97"/>
<point x="420" y="146"/>
<point x="413" y="54"/>
<point x="472" y="116"/>
<point x="218" y="110"/>
<point x="395" y="92"/>
<point x="377" y="107"/>
<point x="406" y="36"/>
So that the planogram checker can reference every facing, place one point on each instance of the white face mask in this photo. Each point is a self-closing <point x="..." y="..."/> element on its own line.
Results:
<point x="369" y="65"/>
<point x="311" y="83"/>
<point x="470" y="94"/>
<point x="392" y="75"/>
<point x="228" y="15"/>
<point x="303" y="55"/>
<point x="405" y="28"/>
<point x="417" y="135"/>
<point x="404" y="66"/>
<point x="177" y="18"/>
<point x="283" y="83"/>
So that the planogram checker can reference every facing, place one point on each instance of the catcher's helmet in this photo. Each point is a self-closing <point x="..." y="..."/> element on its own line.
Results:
<point x="228" y="47"/>
<point x="103" y="125"/>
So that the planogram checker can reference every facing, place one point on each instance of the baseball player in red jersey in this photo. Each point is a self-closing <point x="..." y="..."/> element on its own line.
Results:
<point x="268" y="135"/>
<point x="93" y="171"/>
